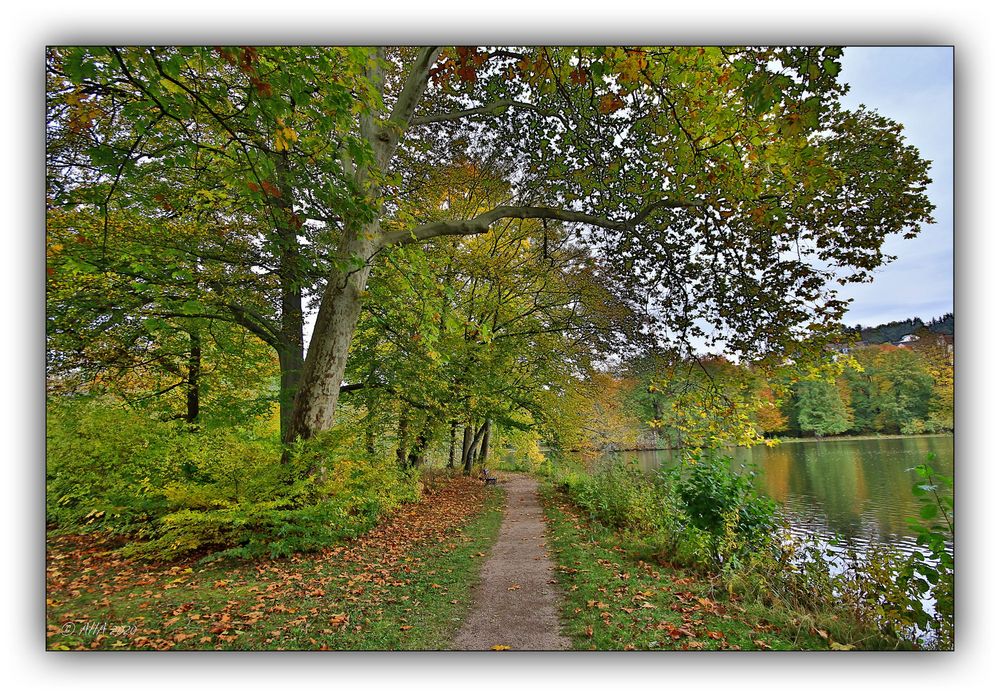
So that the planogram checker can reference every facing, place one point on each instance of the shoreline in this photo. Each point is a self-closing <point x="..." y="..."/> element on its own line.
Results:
<point x="782" y="441"/>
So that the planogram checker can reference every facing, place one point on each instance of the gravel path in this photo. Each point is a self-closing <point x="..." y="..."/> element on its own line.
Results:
<point x="516" y="601"/>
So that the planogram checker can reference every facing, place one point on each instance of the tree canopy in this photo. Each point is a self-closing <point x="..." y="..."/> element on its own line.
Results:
<point x="717" y="191"/>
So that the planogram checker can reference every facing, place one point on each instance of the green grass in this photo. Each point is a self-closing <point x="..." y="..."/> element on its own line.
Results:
<point x="619" y="596"/>
<point x="416" y="600"/>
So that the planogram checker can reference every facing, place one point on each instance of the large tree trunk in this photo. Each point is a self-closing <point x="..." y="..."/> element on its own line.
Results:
<point x="326" y="361"/>
<point x="290" y="341"/>
<point x="340" y="307"/>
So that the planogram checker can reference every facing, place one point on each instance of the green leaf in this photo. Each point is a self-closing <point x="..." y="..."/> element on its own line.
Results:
<point x="929" y="511"/>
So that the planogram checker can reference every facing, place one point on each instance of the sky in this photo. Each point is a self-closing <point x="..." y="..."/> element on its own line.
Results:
<point x="914" y="86"/>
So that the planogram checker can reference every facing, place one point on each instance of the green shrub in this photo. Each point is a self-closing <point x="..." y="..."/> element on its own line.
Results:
<point x="723" y="503"/>
<point x="621" y="496"/>
<point x="106" y="466"/>
<point x="174" y="491"/>
<point x="701" y="513"/>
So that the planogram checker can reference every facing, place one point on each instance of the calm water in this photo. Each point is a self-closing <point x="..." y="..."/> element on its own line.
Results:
<point x="858" y="489"/>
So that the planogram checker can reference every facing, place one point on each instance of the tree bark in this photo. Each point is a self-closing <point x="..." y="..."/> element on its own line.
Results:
<point x="451" y="448"/>
<point x="485" y="451"/>
<point x="403" y="435"/>
<point x="466" y="443"/>
<point x="326" y="361"/>
<point x="473" y="447"/>
<point x="290" y="340"/>
<point x="193" y="378"/>
<point x="370" y="431"/>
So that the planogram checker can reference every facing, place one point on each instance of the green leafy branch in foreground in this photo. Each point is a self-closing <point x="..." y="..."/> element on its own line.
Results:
<point x="933" y="573"/>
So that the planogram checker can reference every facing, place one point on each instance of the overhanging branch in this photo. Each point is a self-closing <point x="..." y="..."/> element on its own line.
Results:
<point x="481" y="223"/>
<point x="492" y="108"/>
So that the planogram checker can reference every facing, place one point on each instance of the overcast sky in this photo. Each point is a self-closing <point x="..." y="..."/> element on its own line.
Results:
<point x="914" y="87"/>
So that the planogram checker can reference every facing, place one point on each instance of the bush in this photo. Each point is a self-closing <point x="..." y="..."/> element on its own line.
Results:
<point x="107" y="466"/>
<point x="701" y="513"/>
<point x="621" y="496"/>
<point x="174" y="491"/>
<point x="723" y="503"/>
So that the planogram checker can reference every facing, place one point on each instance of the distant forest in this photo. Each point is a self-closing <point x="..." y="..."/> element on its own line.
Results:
<point x="894" y="331"/>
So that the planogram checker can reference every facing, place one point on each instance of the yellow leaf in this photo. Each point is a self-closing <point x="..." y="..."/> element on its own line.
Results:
<point x="834" y="646"/>
<point x="501" y="647"/>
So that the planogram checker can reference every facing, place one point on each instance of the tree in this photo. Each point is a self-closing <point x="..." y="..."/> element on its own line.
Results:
<point x="721" y="188"/>
<point x="475" y="331"/>
<point x="894" y="388"/>
<point x="205" y="138"/>
<point x="769" y="419"/>
<point x="138" y="328"/>
<point x="820" y="408"/>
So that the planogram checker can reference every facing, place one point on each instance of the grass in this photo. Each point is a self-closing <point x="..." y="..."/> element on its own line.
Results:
<point x="405" y="585"/>
<point x="617" y="595"/>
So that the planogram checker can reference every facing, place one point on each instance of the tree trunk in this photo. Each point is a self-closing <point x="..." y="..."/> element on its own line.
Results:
<point x="290" y="348"/>
<point x="485" y="451"/>
<point x="473" y="446"/>
<point x="466" y="442"/>
<point x="451" y="448"/>
<point x="660" y="431"/>
<point x="290" y="363"/>
<point x="193" y="376"/>
<point x="370" y="431"/>
<point x="418" y="453"/>
<point x="404" y="434"/>
<point x="340" y="307"/>
<point x="326" y="361"/>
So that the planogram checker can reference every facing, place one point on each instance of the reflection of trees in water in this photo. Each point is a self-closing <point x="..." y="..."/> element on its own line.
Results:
<point x="775" y="472"/>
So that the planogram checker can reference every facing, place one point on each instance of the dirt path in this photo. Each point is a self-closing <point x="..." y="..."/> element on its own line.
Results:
<point x="516" y="601"/>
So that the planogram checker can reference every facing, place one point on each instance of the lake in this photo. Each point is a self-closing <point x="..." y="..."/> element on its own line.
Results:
<point x="857" y="489"/>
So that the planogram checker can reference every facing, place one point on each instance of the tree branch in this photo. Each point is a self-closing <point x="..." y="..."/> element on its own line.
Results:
<point x="406" y="103"/>
<point x="491" y="108"/>
<point x="481" y="223"/>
